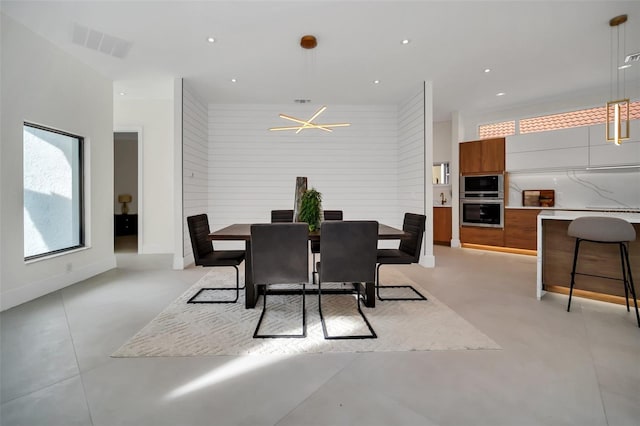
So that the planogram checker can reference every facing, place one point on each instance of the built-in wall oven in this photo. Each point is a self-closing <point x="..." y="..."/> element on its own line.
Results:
<point x="482" y="201"/>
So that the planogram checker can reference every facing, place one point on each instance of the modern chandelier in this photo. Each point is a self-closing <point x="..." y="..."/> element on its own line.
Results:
<point x="308" y="124"/>
<point x="617" y="125"/>
<point x="308" y="42"/>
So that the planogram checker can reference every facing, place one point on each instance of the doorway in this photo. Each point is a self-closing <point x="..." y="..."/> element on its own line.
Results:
<point x="127" y="197"/>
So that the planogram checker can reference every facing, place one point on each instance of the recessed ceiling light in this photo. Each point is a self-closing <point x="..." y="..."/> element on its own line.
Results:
<point x="500" y="94"/>
<point x="233" y="80"/>
<point x="211" y="40"/>
<point x="406" y="41"/>
<point x="376" y="81"/>
<point x="123" y="93"/>
<point x="487" y="70"/>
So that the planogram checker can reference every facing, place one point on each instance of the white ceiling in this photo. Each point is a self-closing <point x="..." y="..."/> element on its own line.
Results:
<point x="536" y="50"/>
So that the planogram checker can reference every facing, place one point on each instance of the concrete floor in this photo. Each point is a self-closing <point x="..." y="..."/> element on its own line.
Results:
<point x="555" y="368"/>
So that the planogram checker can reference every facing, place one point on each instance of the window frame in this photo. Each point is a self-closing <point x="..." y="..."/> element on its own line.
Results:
<point x="81" y="196"/>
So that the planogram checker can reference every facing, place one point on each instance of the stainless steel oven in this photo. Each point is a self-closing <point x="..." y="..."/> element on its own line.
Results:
<point x="485" y="212"/>
<point x="482" y="186"/>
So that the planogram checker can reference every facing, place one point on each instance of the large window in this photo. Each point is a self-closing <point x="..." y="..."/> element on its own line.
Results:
<point x="53" y="207"/>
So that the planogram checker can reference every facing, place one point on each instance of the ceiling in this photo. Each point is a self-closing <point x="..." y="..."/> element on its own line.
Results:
<point x="536" y="50"/>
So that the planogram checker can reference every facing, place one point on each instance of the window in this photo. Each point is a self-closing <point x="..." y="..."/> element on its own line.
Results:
<point x="496" y="130"/>
<point x="53" y="206"/>
<point x="564" y="120"/>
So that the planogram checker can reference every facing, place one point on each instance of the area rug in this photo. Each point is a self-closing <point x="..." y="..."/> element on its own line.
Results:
<point x="226" y="329"/>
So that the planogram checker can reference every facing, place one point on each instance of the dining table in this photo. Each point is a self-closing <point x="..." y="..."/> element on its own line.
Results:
<point x="242" y="232"/>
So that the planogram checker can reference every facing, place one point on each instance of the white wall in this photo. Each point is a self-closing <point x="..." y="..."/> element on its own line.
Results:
<point x="415" y="156"/>
<point x="411" y="165"/>
<point x="43" y="85"/>
<point x="253" y="170"/>
<point x="195" y="170"/>
<point x="442" y="142"/>
<point x="155" y="117"/>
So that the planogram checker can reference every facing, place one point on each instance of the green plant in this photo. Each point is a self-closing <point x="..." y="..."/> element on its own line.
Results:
<point x="310" y="207"/>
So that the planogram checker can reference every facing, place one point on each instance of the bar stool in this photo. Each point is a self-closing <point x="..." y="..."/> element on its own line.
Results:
<point x="605" y="230"/>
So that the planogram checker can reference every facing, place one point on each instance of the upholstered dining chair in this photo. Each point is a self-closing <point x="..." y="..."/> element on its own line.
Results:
<point x="408" y="252"/>
<point x="205" y="255"/>
<point x="279" y="255"/>
<point x="278" y="216"/>
<point x="347" y="255"/>
<point x="315" y="244"/>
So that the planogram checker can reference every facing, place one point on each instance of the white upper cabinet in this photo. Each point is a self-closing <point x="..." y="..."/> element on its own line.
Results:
<point x="575" y="148"/>
<point x="603" y="153"/>
<point x="566" y="148"/>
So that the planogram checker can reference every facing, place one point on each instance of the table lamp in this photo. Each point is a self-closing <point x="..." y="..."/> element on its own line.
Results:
<point x="124" y="199"/>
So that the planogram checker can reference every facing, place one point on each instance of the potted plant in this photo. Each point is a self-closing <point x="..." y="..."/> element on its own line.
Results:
<point x="311" y="208"/>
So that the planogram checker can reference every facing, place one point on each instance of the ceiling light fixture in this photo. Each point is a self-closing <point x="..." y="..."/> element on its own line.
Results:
<point x="308" y="42"/>
<point x="308" y="124"/>
<point x="617" y="110"/>
<point x="123" y="93"/>
<point x="500" y="94"/>
<point x="487" y="70"/>
<point x="211" y="40"/>
<point x="233" y="80"/>
<point x="376" y="81"/>
<point x="406" y="41"/>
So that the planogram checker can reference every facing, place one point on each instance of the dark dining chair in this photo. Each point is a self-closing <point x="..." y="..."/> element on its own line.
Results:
<point x="408" y="252"/>
<point x="348" y="255"/>
<point x="279" y="255"/>
<point x="315" y="244"/>
<point x="278" y="216"/>
<point x="205" y="255"/>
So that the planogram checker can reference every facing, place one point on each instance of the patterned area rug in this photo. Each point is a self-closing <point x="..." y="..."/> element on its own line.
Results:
<point x="226" y="329"/>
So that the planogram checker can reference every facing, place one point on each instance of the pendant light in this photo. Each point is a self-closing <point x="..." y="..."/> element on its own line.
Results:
<point x="617" y="125"/>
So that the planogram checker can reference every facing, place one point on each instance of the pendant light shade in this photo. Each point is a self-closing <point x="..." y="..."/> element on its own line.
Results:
<point x="617" y="124"/>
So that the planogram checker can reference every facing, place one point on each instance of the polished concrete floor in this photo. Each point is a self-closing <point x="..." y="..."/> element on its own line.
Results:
<point x="555" y="368"/>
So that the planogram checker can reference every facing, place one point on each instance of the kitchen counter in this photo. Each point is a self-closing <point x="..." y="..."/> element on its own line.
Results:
<point x="578" y="210"/>
<point x="555" y="255"/>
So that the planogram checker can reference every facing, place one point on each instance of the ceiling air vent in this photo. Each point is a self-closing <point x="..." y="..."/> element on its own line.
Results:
<point x="302" y="101"/>
<point x="634" y="57"/>
<point x="96" y="40"/>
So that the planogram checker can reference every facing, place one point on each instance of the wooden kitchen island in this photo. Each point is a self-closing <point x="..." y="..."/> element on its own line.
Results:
<point x="555" y="258"/>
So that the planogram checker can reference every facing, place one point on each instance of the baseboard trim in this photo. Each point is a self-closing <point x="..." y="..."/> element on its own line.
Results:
<point x="31" y="291"/>
<point x="182" y="262"/>
<point x="428" y="261"/>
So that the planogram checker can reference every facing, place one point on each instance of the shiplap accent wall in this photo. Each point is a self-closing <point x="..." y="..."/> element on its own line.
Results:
<point x="411" y="157"/>
<point x="195" y="171"/>
<point x="253" y="170"/>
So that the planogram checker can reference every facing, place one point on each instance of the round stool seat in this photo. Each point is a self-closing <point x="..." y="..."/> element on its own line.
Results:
<point x="602" y="229"/>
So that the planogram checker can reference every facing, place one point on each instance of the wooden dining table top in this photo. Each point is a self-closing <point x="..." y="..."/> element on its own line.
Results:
<point x="242" y="232"/>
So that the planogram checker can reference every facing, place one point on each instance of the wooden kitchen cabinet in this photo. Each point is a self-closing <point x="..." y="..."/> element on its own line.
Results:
<point x="484" y="156"/>
<point x="442" y="225"/>
<point x="520" y="229"/>
<point x="483" y="236"/>
<point x="470" y="157"/>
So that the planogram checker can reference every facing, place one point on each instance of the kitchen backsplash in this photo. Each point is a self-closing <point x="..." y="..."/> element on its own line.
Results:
<point x="615" y="189"/>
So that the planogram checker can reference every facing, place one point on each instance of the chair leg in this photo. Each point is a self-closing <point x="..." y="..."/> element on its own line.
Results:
<point x="624" y="275"/>
<point x="256" y="335"/>
<point x="629" y="282"/>
<point x="194" y="298"/>
<point x="419" y="296"/>
<point x="573" y="272"/>
<point x="314" y="269"/>
<point x="373" y="334"/>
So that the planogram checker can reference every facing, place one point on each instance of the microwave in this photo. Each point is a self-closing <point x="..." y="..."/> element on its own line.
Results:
<point x="482" y="212"/>
<point x="482" y="186"/>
